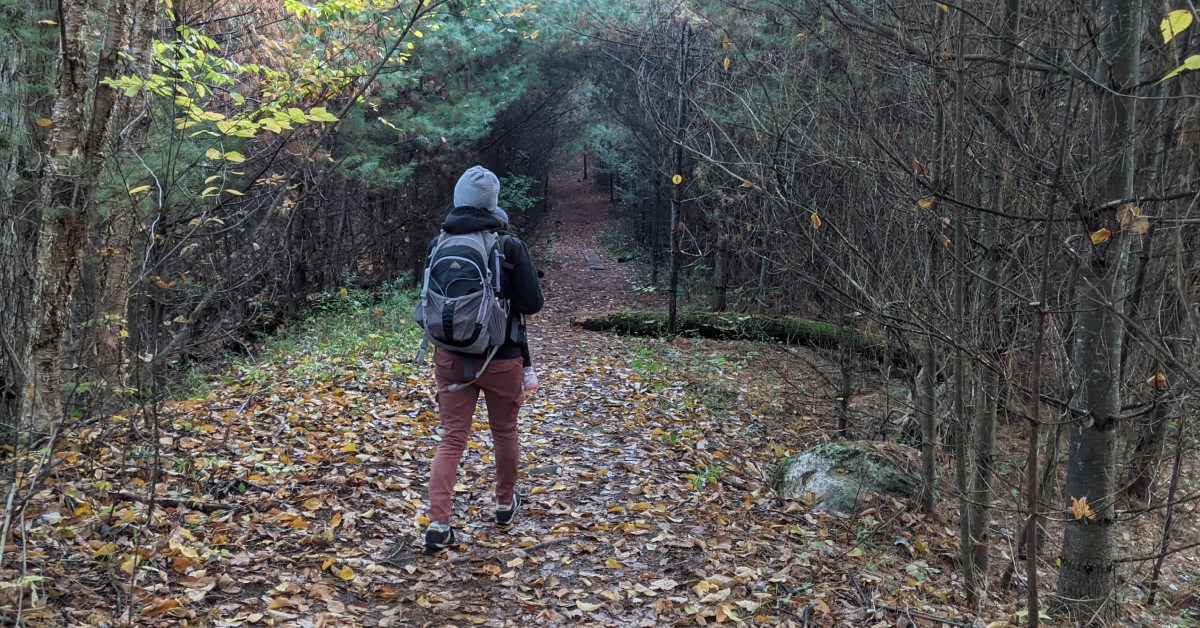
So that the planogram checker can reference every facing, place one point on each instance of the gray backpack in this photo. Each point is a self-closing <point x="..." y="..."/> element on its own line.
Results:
<point x="460" y="305"/>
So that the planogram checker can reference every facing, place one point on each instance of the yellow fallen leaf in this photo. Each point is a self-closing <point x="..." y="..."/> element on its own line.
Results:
<point x="612" y="563"/>
<point x="345" y="573"/>
<point x="328" y="563"/>
<point x="43" y="122"/>
<point x="160" y="607"/>
<point x="926" y="202"/>
<point x="422" y="520"/>
<point x="747" y="184"/>
<point x="516" y="562"/>
<point x="815" y="220"/>
<point x="350" y="448"/>
<point x="640" y="507"/>
<point x="587" y="607"/>
<point x="105" y="550"/>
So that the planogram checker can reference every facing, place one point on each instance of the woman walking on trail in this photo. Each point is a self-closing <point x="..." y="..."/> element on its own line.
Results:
<point x="476" y="198"/>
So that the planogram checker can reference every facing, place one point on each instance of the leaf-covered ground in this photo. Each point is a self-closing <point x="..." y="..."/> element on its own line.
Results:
<point x="292" y="492"/>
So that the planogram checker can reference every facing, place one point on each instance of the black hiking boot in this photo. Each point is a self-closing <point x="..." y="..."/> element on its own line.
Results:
<point x="506" y="515"/>
<point x="438" y="536"/>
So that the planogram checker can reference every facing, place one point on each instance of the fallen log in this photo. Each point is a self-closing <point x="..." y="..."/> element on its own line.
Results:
<point x="791" y="330"/>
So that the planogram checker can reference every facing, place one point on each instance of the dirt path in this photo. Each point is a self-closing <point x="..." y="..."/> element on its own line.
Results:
<point x="620" y="526"/>
<point x="581" y="213"/>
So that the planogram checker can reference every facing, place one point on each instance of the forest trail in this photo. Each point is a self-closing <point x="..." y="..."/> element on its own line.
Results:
<point x="618" y="527"/>
<point x="295" y="495"/>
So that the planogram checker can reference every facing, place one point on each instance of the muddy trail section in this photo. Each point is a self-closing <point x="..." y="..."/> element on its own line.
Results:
<point x="645" y="468"/>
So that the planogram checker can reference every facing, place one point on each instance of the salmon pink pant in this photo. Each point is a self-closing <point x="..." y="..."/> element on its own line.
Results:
<point x="503" y="392"/>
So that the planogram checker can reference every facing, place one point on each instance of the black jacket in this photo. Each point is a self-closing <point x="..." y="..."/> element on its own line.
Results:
<point x="518" y="279"/>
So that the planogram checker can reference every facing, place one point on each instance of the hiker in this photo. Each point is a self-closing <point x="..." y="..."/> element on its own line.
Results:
<point x="497" y="369"/>
<point x="531" y="378"/>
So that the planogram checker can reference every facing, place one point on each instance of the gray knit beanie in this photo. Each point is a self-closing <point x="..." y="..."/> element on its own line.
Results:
<point x="477" y="187"/>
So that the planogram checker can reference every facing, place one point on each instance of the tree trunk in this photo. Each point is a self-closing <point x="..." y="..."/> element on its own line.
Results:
<point x="19" y="298"/>
<point x="1087" y="580"/>
<point x="984" y="429"/>
<point x="118" y="244"/>
<point x="926" y="394"/>
<point x="962" y="377"/>
<point x="677" y="198"/>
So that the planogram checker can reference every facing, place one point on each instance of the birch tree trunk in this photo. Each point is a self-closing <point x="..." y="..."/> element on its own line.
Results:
<point x="115" y="273"/>
<point x="50" y="239"/>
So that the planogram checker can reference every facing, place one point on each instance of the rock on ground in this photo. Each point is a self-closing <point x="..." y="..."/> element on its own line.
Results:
<point x="842" y="474"/>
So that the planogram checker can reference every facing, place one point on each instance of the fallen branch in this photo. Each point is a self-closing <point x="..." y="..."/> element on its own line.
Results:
<point x="169" y="502"/>
<point x="723" y="325"/>
<point x="911" y="614"/>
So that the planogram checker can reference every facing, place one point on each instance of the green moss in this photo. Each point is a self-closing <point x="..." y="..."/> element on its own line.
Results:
<point x="788" y="329"/>
<point x="861" y="461"/>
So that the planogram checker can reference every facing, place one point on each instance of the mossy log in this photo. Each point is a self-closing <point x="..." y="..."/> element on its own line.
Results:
<point x="791" y="330"/>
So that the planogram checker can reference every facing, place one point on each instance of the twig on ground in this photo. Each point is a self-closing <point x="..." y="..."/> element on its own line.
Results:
<point x="517" y="551"/>
<point x="912" y="615"/>
<point x="192" y="504"/>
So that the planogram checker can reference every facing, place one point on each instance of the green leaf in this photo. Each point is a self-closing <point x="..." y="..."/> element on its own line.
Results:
<point x="234" y="156"/>
<point x="319" y="114"/>
<point x="296" y="115"/>
<point x="213" y="154"/>
<point x="210" y="191"/>
<point x="139" y="190"/>
<point x="1175" y="23"/>
<point x="211" y="179"/>
<point x="1190" y="63"/>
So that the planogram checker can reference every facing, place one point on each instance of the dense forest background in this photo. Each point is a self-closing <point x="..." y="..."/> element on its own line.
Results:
<point x="1003" y="192"/>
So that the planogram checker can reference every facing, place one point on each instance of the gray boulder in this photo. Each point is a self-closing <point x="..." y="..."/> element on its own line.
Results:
<point x="839" y="475"/>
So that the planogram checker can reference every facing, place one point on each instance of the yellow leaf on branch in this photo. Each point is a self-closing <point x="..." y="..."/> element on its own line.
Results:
<point x="1101" y="236"/>
<point x="1175" y="23"/>
<point x="1081" y="509"/>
